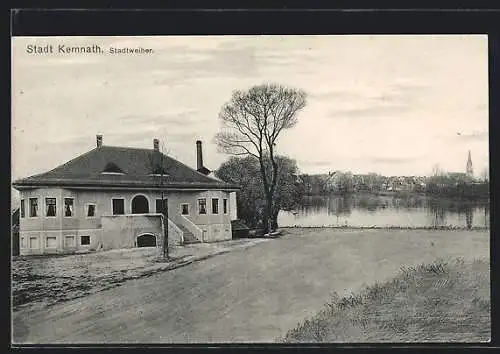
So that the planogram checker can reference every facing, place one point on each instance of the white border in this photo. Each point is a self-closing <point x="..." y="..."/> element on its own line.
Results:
<point x="112" y="173"/>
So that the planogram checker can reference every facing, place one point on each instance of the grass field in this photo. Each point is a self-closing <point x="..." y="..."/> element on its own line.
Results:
<point x="259" y="293"/>
<point x="441" y="301"/>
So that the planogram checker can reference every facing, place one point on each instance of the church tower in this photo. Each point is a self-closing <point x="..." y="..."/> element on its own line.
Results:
<point x="469" y="170"/>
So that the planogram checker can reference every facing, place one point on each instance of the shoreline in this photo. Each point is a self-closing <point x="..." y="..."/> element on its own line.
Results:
<point x="430" y="228"/>
<point x="402" y="194"/>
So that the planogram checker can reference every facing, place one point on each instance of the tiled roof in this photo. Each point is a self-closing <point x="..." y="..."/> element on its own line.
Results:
<point x="138" y="165"/>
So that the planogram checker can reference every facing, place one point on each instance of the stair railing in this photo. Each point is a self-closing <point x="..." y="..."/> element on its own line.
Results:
<point x="192" y="227"/>
<point x="176" y="229"/>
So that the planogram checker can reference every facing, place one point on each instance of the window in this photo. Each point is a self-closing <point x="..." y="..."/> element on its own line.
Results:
<point x="91" y="210"/>
<point x="22" y="208"/>
<point x="33" y="207"/>
<point x="158" y="170"/>
<point x="51" y="242"/>
<point x="112" y="168"/>
<point x="118" y="206"/>
<point x="185" y="209"/>
<point x="161" y="208"/>
<point x="139" y="205"/>
<point x="215" y="206"/>
<point x="68" y="207"/>
<point x="224" y="205"/>
<point x="33" y="242"/>
<point x="84" y="240"/>
<point x="202" y="206"/>
<point x="23" y="242"/>
<point x="69" y="241"/>
<point x="50" y="206"/>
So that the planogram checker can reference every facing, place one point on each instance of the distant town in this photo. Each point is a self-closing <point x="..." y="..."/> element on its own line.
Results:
<point x="440" y="182"/>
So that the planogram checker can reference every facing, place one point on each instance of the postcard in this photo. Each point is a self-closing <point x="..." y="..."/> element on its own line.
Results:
<point x="250" y="189"/>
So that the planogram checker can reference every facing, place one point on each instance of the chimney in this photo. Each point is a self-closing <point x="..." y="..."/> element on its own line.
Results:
<point x="99" y="140"/>
<point x="199" y="156"/>
<point x="156" y="145"/>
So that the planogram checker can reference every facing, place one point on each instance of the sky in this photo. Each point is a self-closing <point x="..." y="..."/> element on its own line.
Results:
<point x="395" y="105"/>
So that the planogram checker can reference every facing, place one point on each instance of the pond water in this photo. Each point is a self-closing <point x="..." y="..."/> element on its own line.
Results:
<point x="371" y="210"/>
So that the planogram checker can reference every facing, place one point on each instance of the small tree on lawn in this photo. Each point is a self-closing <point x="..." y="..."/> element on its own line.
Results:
<point x="252" y="122"/>
<point x="158" y="166"/>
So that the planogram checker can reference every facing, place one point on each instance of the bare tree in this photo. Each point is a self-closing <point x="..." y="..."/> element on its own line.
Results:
<point x="485" y="174"/>
<point x="158" y="166"/>
<point x="437" y="171"/>
<point x="252" y="122"/>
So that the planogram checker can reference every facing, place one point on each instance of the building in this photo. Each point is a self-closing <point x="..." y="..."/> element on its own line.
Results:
<point x="114" y="197"/>
<point x="469" y="171"/>
<point x="15" y="232"/>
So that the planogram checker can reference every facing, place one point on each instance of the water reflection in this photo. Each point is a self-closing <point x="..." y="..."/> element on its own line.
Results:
<point x="370" y="210"/>
<point x="469" y="218"/>
<point x="437" y="213"/>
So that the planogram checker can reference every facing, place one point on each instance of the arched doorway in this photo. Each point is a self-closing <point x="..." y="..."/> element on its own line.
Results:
<point x="140" y="205"/>
<point x="146" y="240"/>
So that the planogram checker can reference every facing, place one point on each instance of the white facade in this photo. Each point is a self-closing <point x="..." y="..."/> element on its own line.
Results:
<point x="72" y="219"/>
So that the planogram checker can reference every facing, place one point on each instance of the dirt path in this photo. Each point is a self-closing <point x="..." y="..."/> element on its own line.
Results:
<point x="247" y="295"/>
<point x="39" y="282"/>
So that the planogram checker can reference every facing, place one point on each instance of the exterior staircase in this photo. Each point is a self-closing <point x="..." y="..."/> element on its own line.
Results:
<point x="188" y="236"/>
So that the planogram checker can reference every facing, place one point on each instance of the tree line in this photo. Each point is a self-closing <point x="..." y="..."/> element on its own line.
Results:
<point x="458" y="185"/>
<point x="444" y="184"/>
